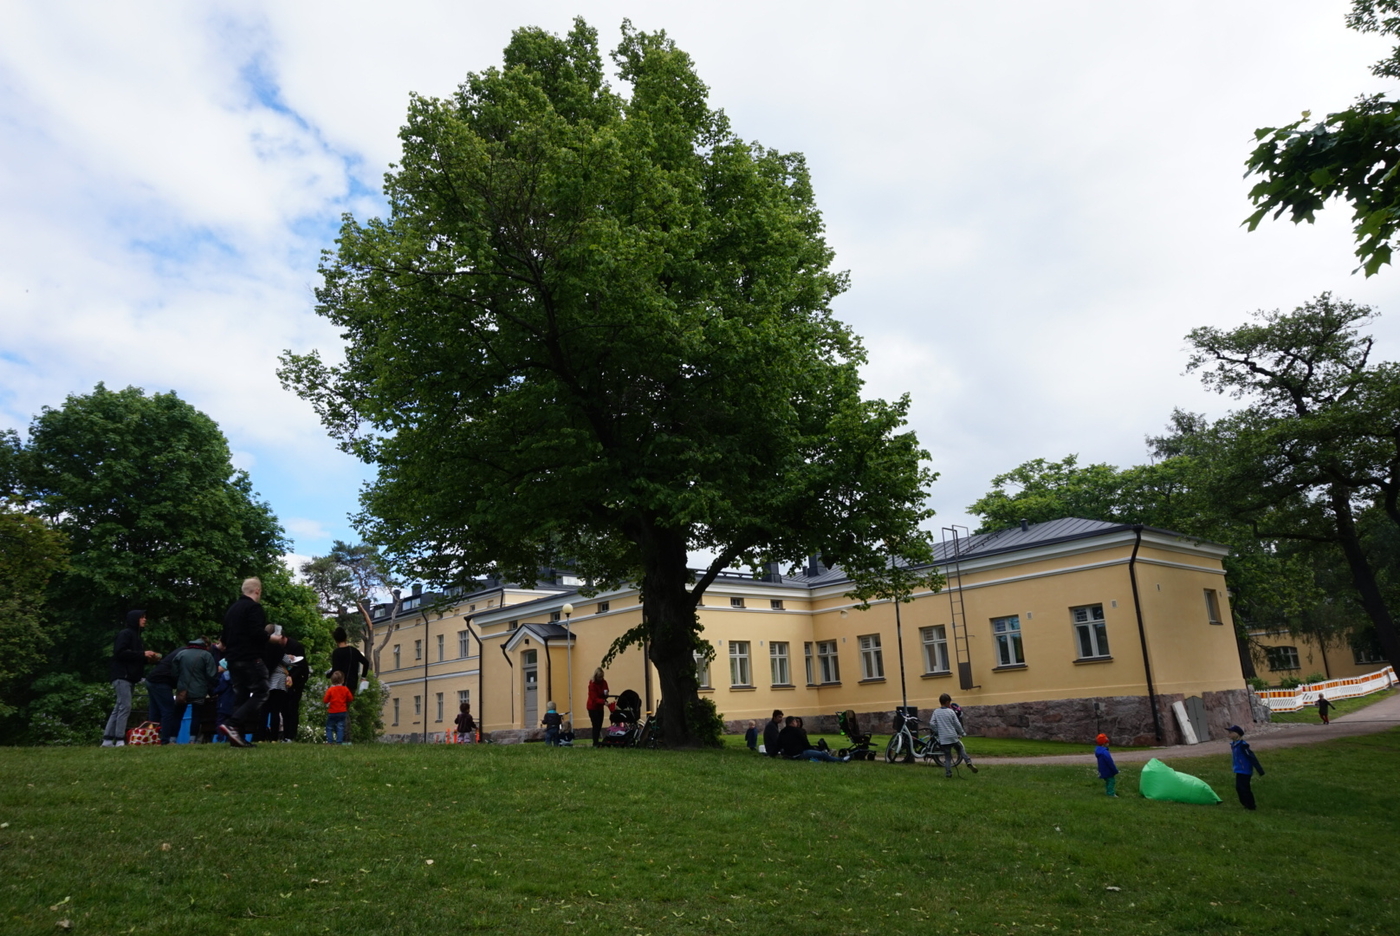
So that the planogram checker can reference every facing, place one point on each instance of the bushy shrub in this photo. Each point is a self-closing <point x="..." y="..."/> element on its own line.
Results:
<point x="68" y="711"/>
<point x="1315" y="678"/>
<point x="706" y="722"/>
<point x="1257" y="683"/>
<point x="1289" y="682"/>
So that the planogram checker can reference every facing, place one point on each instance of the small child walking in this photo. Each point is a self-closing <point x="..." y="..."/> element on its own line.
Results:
<point x="551" y="722"/>
<point x="1245" y="764"/>
<point x="751" y="736"/>
<point x="337" y="699"/>
<point x="1324" y="708"/>
<point x="1108" y="771"/>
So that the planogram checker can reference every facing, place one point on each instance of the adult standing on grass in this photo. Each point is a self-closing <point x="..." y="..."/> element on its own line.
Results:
<point x="196" y="672"/>
<point x="298" y="672"/>
<point x="128" y="666"/>
<point x="1244" y="763"/>
<point x="597" y="701"/>
<point x="160" y="691"/>
<point x="771" y="732"/>
<point x="348" y="661"/>
<point x="246" y="638"/>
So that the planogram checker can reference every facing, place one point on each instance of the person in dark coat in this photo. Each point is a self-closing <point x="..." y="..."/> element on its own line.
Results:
<point x="348" y="661"/>
<point x="298" y="672"/>
<point x="196" y="673"/>
<point x="246" y="638"/>
<point x="1245" y="764"/>
<point x="770" y="733"/>
<point x="128" y="667"/>
<point x="160" y="692"/>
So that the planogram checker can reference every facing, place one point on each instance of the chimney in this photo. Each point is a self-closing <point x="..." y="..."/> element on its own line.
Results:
<point x="417" y="590"/>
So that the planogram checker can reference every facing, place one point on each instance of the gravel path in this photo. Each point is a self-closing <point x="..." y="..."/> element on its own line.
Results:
<point x="1381" y="716"/>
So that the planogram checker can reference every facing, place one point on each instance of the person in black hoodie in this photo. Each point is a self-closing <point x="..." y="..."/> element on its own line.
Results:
<point x="128" y="666"/>
<point x="246" y="638"/>
<point x="160" y="689"/>
<point x="298" y="673"/>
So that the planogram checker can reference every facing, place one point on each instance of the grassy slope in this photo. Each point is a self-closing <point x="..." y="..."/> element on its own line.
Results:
<point x="310" y="839"/>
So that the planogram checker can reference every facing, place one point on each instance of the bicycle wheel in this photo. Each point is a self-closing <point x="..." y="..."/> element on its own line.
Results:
<point x="895" y="749"/>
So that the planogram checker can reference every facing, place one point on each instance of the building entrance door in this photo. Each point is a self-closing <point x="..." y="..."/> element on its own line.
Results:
<point x="530" y="670"/>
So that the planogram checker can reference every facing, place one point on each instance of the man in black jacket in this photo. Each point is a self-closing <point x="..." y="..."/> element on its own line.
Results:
<point x="770" y="733"/>
<point x="128" y="667"/>
<point x="246" y="638"/>
<point x="348" y="661"/>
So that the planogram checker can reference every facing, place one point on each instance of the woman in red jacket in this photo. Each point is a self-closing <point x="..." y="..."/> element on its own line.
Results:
<point x="597" y="700"/>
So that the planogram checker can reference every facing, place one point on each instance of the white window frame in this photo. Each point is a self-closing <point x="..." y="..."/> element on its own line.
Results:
<point x="417" y="706"/>
<point x="1006" y="631"/>
<point x="809" y="660"/>
<point x="418" y="650"/>
<point x="740" y="670"/>
<point x="442" y="647"/>
<point x="829" y="660"/>
<point x="775" y="604"/>
<point x="464" y="644"/>
<point x="464" y="697"/>
<point x="935" y="640"/>
<point x="398" y="650"/>
<point x="702" y="670"/>
<point x="603" y="607"/>
<point x="736" y="602"/>
<point x="1090" y="631"/>
<point x="781" y="665"/>
<point x="872" y="658"/>
<point x="1288" y="656"/>
<point x="1213" y="607"/>
<point x="439" y="706"/>
<point x="396" y="710"/>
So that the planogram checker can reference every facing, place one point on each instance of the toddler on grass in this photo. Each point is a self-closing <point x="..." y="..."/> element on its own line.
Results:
<point x="1108" y="771"/>
<point x="337" y="699"/>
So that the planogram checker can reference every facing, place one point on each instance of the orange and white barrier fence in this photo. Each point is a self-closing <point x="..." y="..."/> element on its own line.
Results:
<point x="1292" y="700"/>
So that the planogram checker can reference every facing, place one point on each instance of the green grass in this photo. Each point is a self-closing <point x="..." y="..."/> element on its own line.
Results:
<point x="524" y="839"/>
<point x="1309" y="716"/>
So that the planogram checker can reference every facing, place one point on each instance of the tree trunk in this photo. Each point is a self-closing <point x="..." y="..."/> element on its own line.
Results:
<point x="670" y="614"/>
<point x="1362" y="576"/>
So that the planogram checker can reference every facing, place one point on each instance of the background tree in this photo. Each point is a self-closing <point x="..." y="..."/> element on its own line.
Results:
<point x="354" y="576"/>
<point x="31" y="553"/>
<point x="595" y="329"/>
<point x="1353" y="154"/>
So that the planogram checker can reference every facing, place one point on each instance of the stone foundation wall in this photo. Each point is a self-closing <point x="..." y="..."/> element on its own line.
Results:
<point x="1125" y="719"/>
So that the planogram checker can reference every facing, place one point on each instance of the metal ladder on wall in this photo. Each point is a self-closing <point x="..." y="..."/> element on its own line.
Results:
<point x="952" y="541"/>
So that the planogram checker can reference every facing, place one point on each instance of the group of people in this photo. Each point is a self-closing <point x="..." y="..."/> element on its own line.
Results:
<point x="244" y="687"/>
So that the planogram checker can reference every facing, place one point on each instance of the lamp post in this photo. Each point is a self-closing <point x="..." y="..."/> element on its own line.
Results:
<point x="568" y="610"/>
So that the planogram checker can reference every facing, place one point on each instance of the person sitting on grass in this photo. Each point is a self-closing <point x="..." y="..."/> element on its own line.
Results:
<point x="794" y="745"/>
<point x="1108" y="771"/>
<point x="770" y="733"/>
<point x="337" y="699"/>
<point x="551" y="722"/>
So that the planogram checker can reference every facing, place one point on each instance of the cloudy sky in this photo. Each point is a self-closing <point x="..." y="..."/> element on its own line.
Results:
<point x="1035" y="201"/>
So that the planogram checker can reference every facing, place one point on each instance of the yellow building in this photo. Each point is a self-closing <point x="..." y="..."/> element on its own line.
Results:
<point x="1055" y="630"/>
<point x="1279" y="655"/>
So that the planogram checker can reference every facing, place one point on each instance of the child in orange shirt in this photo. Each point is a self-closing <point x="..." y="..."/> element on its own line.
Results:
<point x="337" y="699"/>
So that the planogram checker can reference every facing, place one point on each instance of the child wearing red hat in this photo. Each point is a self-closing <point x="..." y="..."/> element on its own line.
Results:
<point x="1108" y="771"/>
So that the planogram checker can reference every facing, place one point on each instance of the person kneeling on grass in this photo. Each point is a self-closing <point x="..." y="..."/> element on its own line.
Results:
<point x="337" y="699"/>
<point x="1108" y="771"/>
<point x="794" y="744"/>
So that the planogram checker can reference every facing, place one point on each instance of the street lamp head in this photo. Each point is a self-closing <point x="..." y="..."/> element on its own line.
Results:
<point x="567" y="609"/>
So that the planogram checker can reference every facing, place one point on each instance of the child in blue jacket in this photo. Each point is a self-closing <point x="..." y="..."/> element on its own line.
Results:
<point x="1108" y="771"/>
<point x="1245" y="764"/>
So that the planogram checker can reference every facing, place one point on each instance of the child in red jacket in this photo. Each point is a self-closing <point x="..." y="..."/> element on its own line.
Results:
<point x="337" y="699"/>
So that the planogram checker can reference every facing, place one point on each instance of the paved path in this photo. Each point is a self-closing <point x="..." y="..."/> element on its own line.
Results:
<point x="1381" y="716"/>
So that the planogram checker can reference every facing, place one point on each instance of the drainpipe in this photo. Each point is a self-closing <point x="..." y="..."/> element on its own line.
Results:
<point x="1142" y="631"/>
<point x="512" y="683"/>
<point x="427" y="656"/>
<point x="548" y="671"/>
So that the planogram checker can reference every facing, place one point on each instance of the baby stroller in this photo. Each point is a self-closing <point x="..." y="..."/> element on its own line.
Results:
<point x="861" y="747"/>
<point x="626" y="720"/>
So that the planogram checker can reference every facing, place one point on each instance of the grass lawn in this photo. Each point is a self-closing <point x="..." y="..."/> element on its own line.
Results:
<point x="524" y="839"/>
<point x="1308" y="716"/>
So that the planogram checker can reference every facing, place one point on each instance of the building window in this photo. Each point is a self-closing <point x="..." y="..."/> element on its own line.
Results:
<point x="778" y="657"/>
<point x="396" y="711"/>
<point x="441" y="651"/>
<point x="808" y="661"/>
<point x="736" y="602"/>
<point x="1366" y="655"/>
<point x="398" y="649"/>
<point x="1007" y="632"/>
<point x="702" y="670"/>
<point x="1282" y="658"/>
<point x="935" y="648"/>
<point x="830" y="666"/>
<point x="418" y="649"/>
<point x="603" y="607"/>
<point x="776" y="604"/>
<point x="872" y="660"/>
<point x="1090" y="631"/>
<point x="472" y="608"/>
<point x="439" y="706"/>
<point x="1213" y="607"/>
<point x="739" y="674"/>
<point x="464" y="697"/>
<point x="554" y="617"/>
<point x="512" y="625"/>
<point x="464" y="644"/>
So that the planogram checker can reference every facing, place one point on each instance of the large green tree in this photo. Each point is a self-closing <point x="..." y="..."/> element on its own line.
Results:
<point x="154" y="513"/>
<point x="595" y="328"/>
<point x="1352" y="154"/>
<point x="31" y="553"/>
<point x="1318" y="442"/>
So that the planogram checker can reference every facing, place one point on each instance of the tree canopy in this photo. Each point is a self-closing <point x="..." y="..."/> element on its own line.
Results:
<point x="596" y="329"/>
<point x="1352" y="154"/>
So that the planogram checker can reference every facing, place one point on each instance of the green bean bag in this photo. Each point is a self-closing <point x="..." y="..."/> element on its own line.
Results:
<point x="1160" y="782"/>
